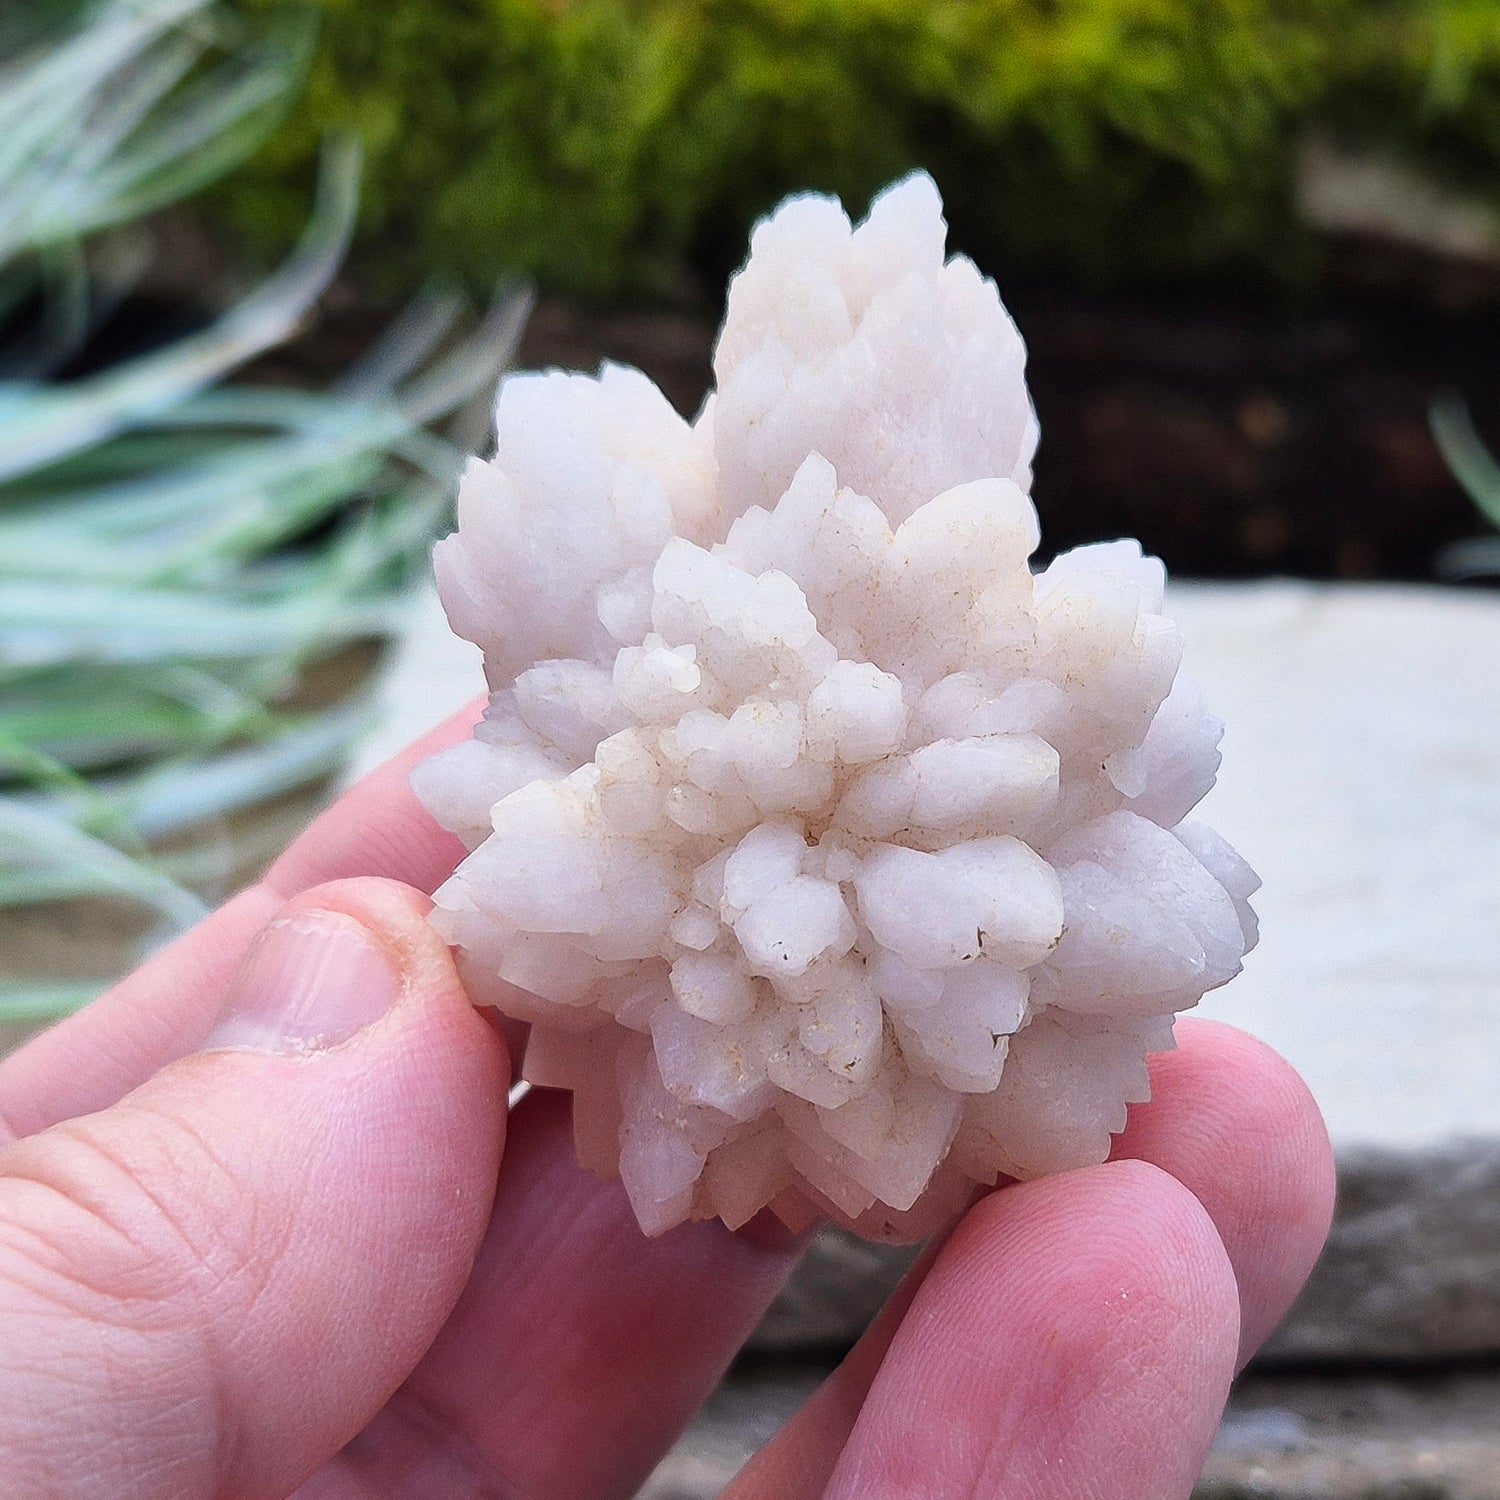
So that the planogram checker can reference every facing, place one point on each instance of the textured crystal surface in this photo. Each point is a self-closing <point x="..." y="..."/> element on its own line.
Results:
<point x="836" y="858"/>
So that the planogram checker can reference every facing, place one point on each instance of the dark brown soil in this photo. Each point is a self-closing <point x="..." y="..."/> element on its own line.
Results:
<point x="1235" y="433"/>
<point x="1235" y="429"/>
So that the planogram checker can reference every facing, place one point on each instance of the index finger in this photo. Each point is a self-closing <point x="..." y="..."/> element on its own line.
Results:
<point x="1074" y="1336"/>
<point x="162" y="1010"/>
<point x="1233" y="1124"/>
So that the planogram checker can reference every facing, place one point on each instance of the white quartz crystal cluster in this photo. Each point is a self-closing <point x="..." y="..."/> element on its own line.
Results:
<point x="836" y="859"/>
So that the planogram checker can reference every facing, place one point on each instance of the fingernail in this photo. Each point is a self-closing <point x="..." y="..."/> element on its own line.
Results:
<point x="310" y="982"/>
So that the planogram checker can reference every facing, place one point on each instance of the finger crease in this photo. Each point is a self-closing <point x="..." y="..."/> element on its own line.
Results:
<point x="420" y="1452"/>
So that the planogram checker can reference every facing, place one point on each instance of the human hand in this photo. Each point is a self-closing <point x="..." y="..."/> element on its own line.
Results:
<point x="256" y="1238"/>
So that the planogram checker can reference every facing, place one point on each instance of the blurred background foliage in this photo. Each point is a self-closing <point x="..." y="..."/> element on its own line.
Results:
<point x="217" y="492"/>
<point x="622" y="147"/>
<point x="196" y="562"/>
<point x="1478" y="471"/>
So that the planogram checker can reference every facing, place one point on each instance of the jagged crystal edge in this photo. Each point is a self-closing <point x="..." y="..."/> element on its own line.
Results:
<point x="838" y="861"/>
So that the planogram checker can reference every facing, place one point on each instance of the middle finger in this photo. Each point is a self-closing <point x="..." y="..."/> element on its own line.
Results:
<point x="581" y="1348"/>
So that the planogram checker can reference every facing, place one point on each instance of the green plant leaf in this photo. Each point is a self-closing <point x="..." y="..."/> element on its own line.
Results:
<point x="1473" y="464"/>
<point x="180" y="556"/>
<point x="36" y="1004"/>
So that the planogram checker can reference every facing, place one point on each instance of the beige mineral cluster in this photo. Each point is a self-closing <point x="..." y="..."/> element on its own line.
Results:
<point x="835" y="857"/>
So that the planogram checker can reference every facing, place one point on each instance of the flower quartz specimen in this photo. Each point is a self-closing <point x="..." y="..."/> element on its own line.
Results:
<point x="836" y="859"/>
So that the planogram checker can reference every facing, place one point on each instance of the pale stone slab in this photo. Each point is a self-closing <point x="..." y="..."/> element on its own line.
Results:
<point x="428" y="674"/>
<point x="1434" y="1436"/>
<point x="1411" y="1272"/>
<point x="841" y="1283"/>
<point x="1361" y="778"/>
<point x="746" y="1411"/>
<point x="1359" y="1436"/>
<point x="1412" y="1268"/>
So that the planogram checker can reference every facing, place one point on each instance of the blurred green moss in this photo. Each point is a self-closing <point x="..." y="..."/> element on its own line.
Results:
<point x="608" y="147"/>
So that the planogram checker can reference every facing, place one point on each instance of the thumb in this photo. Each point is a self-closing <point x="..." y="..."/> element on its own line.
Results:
<point x="210" y="1287"/>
